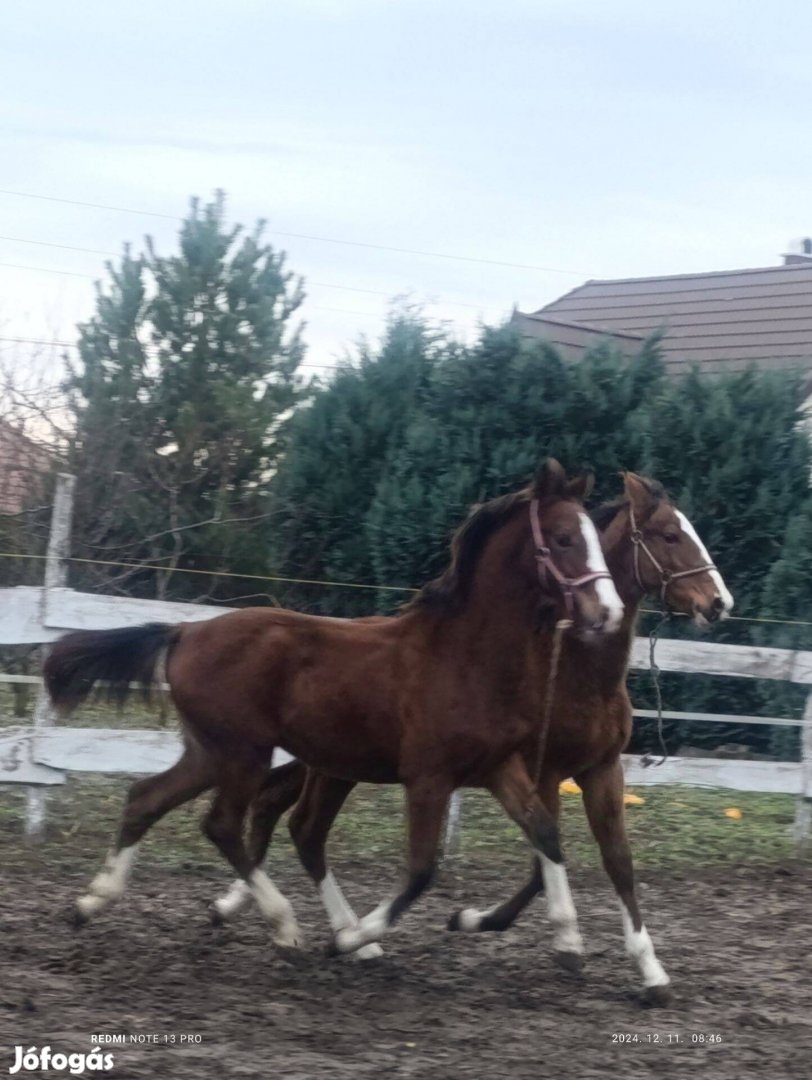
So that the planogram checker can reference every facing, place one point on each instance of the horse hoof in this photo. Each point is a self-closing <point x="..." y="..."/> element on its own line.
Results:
<point x="368" y="952"/>
<point x="658" y="997"/>
<point x="288" y="937"/>
<point x="467" y="921"/>
<point x="216" y="917"/>
<point x="76" y="918"/>
<point x="570" y="961"/>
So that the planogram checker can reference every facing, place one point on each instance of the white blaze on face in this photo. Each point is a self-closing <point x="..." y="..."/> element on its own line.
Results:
<point x="605" y="587"/>
<point x="721" y="589"/>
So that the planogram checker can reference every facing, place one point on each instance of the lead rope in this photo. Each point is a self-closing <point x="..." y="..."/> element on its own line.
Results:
<point x="546" y="716"/>
<point x="647" y="758"/>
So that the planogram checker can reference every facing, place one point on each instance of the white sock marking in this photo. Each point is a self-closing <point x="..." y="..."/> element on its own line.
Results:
<point x="109" y="884"/>
<point x="234" y="901"/>
<point x="560" y="907"/>
<point x="371" y="928"/>
<point x="640" y="948"/>
<point x="470" y="919"/>
<point x="341" y="915"/>
<point x="605" y="587"/>
<point x="276" y="908"/>
<point x="716" y="577"/>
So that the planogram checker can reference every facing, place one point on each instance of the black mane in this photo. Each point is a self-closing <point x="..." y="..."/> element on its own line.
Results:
<point x="449" y="590"/>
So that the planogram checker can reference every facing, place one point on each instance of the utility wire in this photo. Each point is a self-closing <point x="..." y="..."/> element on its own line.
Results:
<point x="314" y="284"/>
<point x="301" y="236"/>
<point x="73" y="345"/>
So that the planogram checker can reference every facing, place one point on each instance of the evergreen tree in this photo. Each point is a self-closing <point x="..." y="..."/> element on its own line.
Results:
<point x="787" y="595"/>
<point x="340" y="447"/>
<point x="187" y="370"/>
<point x="730" y="451"/>
<point x="492" y="413"/>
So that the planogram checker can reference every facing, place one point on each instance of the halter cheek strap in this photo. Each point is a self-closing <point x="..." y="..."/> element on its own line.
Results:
<point x="666" y="576"/>
<point x="546" y="566"/>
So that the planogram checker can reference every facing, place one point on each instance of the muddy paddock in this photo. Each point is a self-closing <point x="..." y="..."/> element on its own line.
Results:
<point x="737" y="943"/>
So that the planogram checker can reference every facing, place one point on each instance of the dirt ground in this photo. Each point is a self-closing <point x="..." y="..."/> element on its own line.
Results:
<point x="738" y="945"/>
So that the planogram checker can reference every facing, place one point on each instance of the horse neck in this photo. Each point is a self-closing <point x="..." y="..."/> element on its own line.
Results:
<point x="499" y="616"/>
<point x="619" y="554"/>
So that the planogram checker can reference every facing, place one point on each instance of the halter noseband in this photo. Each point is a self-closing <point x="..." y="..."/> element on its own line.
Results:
<point x="666" y="576"/>
<point x="545" y="564"/>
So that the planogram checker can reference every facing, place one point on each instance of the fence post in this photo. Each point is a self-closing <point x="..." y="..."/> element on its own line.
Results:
<point x="803" y="811"/>
<point x="451" y="841"/>
<point x="56" y="576"/>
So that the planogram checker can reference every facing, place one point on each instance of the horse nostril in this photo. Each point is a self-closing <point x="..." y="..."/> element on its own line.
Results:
<point x="718" y="604"/>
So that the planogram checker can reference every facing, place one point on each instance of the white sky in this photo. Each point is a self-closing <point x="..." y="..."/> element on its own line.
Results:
<point x="607" y="140"/>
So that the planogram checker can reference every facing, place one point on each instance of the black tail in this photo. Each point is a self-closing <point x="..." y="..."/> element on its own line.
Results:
<point x="117" y="658"/>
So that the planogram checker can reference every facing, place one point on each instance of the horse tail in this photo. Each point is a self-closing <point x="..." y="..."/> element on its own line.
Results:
<point x="117" y="658"/>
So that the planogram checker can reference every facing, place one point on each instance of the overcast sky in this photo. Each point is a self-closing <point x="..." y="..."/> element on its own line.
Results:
<point x="585" y="138"/>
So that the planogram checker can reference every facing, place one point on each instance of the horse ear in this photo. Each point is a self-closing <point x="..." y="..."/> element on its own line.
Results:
<point x="640" y="495"/>
<point x="580" y="487"/>
<point x="550" y="481"/>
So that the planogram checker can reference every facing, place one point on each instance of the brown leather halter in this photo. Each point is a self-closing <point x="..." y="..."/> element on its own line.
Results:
<point x="546" y="566"/>
<point x="666" y="576"/>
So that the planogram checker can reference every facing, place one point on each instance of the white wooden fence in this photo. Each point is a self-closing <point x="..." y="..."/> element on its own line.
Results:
<point x="41" y="754"/>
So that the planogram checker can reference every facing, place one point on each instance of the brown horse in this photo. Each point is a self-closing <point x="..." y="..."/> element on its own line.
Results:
<point x="439" y="697"/>
<point x="650" y="548"/>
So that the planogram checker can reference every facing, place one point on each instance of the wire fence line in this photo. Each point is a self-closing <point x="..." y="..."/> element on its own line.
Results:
<point x="409" y="589"/>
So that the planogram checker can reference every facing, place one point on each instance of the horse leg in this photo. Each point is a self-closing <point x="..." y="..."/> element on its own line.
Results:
<point x="513" y="788"/>
<point x="502" y="916"/>
<point x="223" y="825"/>
<point x="280" y="789"/>
<point x="147" y="801"/>
<point x="603" y="800"/>
<point x="310" y="825"/>
<point x="426" y="802"/>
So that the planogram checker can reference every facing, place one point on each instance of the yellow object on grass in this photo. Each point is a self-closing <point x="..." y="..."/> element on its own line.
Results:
<point x="632" y="800"/>
<point x="569" y="787"/>
<point x="733" y="812"/>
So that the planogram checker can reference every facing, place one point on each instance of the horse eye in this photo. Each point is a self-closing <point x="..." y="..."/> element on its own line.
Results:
<point x="564" y="540"/>
<point x="672" y="538"/>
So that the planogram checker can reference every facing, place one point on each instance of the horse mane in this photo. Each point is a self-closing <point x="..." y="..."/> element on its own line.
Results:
<point x="449" y="590"/>
<point x="603" y="515"/>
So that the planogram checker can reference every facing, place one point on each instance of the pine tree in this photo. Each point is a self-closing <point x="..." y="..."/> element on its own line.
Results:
<point x="187" y="370"/>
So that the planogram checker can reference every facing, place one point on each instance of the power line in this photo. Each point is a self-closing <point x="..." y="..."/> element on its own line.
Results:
<point x="73" y="345"/>
<point x="303" y="236"/>
<point x="314" y="284"/>
<point x="62" y="247"/>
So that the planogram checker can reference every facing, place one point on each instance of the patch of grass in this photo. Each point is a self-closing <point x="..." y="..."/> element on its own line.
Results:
<point x="97" y="712"/>
<point x="675" y="827"/>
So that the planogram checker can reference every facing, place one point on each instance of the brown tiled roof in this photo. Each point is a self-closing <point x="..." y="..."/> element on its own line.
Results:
<point x="723" y="320"/>
<point x="573" y="339"/>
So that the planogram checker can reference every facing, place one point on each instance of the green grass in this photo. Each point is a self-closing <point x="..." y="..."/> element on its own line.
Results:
<point x="676" y="827"/>
<point x="97" y="712"/>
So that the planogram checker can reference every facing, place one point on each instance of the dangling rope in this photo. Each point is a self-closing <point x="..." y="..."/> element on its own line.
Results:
<point x="647" y="758"/>
<point x="546" y="716"/>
